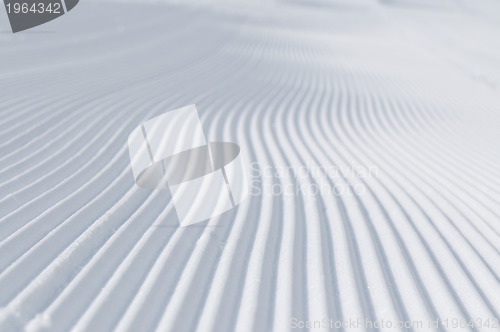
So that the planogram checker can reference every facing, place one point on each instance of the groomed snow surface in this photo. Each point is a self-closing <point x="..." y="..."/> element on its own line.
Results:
<point x="399" y="101"/>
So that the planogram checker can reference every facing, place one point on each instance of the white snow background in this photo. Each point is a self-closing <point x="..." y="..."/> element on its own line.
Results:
<point x="409" y="89"/>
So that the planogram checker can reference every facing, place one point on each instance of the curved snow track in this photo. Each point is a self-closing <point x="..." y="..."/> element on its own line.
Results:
<point x="338" y="85"/>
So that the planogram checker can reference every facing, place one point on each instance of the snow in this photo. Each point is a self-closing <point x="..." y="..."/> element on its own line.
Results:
<point x="406" y="92"/>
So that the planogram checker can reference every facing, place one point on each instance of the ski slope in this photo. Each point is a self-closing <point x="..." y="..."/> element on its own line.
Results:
<point x="408" y="90"/>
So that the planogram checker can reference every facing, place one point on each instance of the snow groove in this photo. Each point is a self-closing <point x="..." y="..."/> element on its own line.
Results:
<point x="325" y="85"/>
